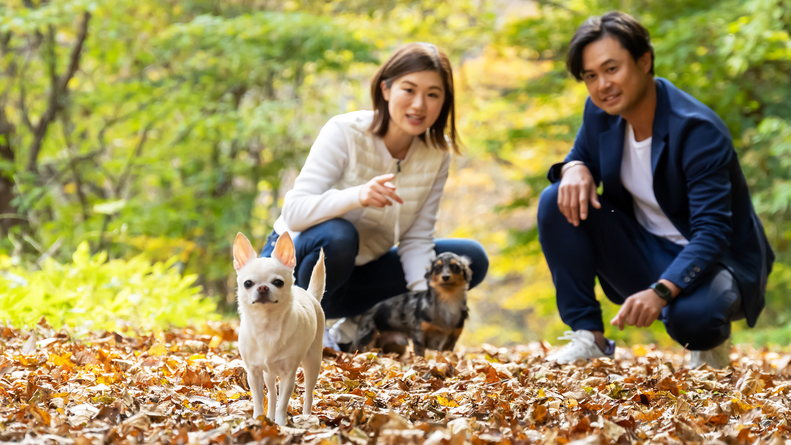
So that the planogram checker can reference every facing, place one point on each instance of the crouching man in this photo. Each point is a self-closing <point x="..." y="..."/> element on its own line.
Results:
<point x="673" y="235"/>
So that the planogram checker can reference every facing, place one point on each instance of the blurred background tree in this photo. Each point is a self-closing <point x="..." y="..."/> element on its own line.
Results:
<point x="159" y="129"/>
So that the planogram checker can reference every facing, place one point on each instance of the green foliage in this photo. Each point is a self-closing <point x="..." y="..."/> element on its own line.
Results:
<point x="182" y="120"/>
<point x="90" y="290"/>
<point x="175" y="131"/>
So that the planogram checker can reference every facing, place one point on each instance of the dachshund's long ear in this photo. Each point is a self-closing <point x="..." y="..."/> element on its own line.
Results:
<point x="466" y="270"/>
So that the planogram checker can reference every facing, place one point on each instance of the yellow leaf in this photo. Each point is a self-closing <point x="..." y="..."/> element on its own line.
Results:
<point x="639" y="351"/>
<point x="107" y="380"/>
<point x="215" y="342"/>
<point x="447" y="402"/>
<point x="60" y="360"/>
<point x="742" y="406"/>
<point x="220" y="396"/>
<point x="157" y="350"/>
<point x="172" y="363"/>
<point x="191" y="360"/>
<point x="541" y="393"/>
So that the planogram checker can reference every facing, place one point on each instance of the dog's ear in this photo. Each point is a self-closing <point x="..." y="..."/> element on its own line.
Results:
<point x="465" y="261"/>
<point x="428" y="272"/>
<point x="242" y="251"/>
<point x="284" y="251"/>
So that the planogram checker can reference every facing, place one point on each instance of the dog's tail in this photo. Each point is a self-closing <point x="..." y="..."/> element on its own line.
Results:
<point x="317" y="278"/>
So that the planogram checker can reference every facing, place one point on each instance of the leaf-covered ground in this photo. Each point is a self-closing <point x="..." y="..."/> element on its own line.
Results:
<point x="189" y="386"/>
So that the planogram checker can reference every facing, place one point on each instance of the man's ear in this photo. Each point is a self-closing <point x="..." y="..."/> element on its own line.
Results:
<point x="385" y="90"/>
<point x="242" y="251"/>
<point x="284" y="251"/>
<point x="644" y="62"/>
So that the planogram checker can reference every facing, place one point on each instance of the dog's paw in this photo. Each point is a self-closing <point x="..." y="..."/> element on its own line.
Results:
<point x="306" y="422"/>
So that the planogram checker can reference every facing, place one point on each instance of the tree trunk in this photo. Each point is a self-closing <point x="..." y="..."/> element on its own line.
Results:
<point x="8" y="211"/>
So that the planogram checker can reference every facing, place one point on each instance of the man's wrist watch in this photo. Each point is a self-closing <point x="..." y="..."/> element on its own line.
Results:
<point x="663" y="291"/>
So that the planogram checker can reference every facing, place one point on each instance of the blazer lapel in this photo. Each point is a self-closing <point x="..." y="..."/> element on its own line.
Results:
<point x="659" y="130"/>
<point x="611" y="155"/>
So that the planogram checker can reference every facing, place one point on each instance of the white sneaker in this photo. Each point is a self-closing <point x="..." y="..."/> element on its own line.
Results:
<point x="329" y="339"/>
<point x="717" y="357"/>
<point x="582" y="346"/>
<point x="340" y="332"/>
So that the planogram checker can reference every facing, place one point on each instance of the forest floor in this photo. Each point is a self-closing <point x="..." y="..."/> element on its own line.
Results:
<point x="190" y="386"/>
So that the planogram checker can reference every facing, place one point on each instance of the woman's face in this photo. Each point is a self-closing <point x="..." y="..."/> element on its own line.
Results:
<point x="414" y="101"/>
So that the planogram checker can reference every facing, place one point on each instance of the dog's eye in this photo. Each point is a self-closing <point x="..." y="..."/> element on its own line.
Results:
<point x="438" y="268"/>
<point x="455" y="268"/>
<point x="248" y="284"/>
<point x="278" y="283"/>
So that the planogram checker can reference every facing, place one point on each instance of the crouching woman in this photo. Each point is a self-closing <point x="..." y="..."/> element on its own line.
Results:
<point x="370" y="190"/>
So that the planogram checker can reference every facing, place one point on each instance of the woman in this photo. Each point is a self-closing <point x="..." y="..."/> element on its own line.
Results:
<point x="373" y="180"/>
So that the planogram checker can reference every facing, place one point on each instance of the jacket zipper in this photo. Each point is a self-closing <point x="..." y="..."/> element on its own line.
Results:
<point x="397" y="208"/>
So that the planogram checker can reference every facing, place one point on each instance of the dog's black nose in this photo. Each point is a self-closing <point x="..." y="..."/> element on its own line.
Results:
<point x="445" y="277"/>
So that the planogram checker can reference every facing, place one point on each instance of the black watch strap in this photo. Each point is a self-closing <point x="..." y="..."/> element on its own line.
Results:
<point x="663" y="291"/>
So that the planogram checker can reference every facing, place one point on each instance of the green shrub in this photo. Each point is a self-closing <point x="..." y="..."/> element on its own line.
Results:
<point x="101" y="294"/>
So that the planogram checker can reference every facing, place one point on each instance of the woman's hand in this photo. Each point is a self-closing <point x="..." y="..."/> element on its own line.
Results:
<point x="577" y="189"/>
<point x="376" y="192"/>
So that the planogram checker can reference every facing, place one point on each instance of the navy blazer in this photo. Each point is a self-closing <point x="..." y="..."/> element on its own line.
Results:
<point x="698" y="184"/>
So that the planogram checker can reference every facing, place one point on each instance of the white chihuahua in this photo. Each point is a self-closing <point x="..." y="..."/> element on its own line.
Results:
<point x="282" y="325"/>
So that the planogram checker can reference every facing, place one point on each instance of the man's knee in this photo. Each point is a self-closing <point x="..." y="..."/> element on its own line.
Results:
<point x="697" y="330"/>
<point x="548" y="210"/>
<point x="703" y="318"/>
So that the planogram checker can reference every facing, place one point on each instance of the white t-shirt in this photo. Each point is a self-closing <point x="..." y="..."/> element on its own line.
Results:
<point x="637" y="178"/>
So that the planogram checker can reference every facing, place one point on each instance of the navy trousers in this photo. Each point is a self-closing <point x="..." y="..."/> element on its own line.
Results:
<point x="350" y="289"/>
<point x="626" y="258"/>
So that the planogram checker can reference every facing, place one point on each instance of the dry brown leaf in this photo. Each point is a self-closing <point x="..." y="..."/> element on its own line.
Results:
<point x="175" y="387"/>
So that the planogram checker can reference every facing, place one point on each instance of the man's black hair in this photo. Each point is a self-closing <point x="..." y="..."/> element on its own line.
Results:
<point x="616" y="24"/>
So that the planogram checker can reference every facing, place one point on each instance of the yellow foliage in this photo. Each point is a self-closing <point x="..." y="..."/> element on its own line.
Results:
<point x="163" y="248"/>
<point x="157" y="349"/>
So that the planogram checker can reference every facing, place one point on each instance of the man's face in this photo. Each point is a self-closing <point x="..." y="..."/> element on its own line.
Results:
<point x="615" y="81"/>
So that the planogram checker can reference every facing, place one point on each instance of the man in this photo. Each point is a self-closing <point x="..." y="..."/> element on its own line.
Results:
<point x="673" y="235"/>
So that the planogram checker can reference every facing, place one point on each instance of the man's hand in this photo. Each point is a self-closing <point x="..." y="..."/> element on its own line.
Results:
<point x="639" y="310"/>
<point x="576" y="190"/>
<point x="376" y="192"/>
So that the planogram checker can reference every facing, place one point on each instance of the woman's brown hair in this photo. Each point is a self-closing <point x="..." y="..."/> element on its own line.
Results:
<point x="411" y="58"/>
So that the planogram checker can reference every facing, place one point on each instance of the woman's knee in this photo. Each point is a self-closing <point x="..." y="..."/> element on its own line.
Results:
<point x="337" y="236"/>
<point x="473" y="250"/>
<point x="479" y="262"/>
<point x="340" y="233"/>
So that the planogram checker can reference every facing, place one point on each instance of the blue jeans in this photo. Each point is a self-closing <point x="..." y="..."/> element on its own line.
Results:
<point x="626" y="258"/>
<point x="350" y="289"/>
